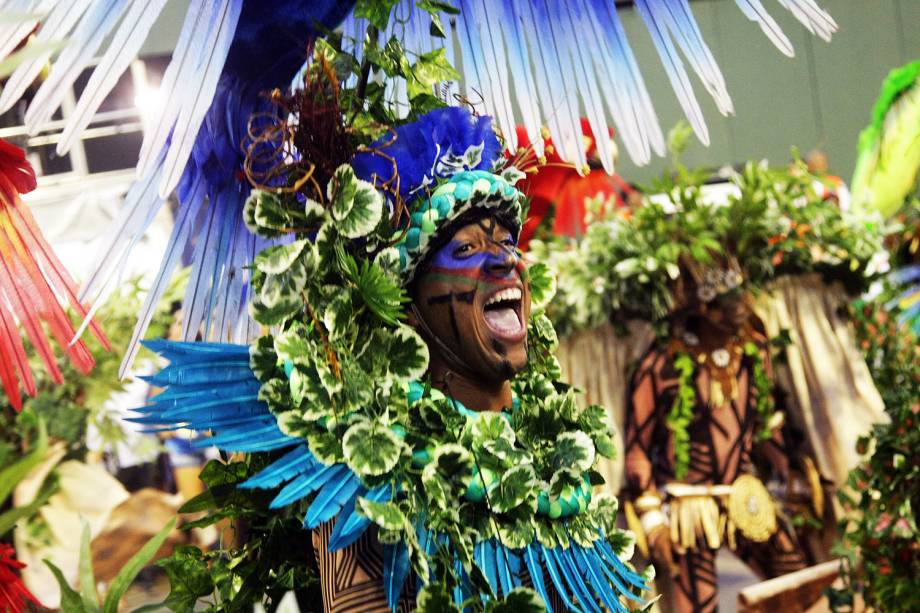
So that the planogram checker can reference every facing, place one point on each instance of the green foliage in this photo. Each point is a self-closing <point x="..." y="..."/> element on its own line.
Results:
<point x="880" y="531"/>
<point x="681" y="413"/>
<point x="87" y="600"/>
<point x="775" y="223"/>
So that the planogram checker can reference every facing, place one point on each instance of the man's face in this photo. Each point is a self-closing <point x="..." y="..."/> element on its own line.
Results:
<point x="729" y="312"/>
<point x="474" y="297"/>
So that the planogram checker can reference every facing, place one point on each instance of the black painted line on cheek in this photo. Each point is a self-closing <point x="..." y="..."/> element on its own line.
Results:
<point x="453" y="322"/>
<point x="442" y="299"/>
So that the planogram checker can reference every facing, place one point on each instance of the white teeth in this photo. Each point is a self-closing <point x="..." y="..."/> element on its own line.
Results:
<point x="512" y="293"/>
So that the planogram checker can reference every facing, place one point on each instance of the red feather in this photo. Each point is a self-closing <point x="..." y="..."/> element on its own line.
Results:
<point x="35" y="289"/>
<point x="13" y="593"/>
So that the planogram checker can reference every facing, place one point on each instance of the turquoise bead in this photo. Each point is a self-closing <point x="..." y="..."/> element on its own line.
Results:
<point x="412" y="238"/>
<point x="462" y="193"/>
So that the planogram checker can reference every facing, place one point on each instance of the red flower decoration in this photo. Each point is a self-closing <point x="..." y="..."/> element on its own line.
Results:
<point x="13" y="594"/>
<point x="33" y="286"/>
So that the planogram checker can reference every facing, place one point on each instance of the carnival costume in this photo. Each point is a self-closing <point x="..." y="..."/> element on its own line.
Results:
<point x="695" y="417"/>
<point x="487" y="499"/>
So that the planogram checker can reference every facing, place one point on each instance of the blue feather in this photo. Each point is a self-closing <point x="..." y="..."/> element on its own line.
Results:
<point x="292" y="464"/>
<point x="395" y="572"/>
<point x="489" y="565"/>
<point x="351" y="524"/>
<point x="532" y="560"/>
<point x="554" y="575"/>
<point x="308" y="482"/>
<point x="503" y="563"/>
<point x="331" y="498"/>
<point x="589" y="563"/>
<point x="614" y="561"/>
<point x="569" y="571"/>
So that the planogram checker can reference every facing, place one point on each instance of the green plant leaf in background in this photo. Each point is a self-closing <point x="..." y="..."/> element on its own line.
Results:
<point x="87" y="578"/>
<point x="16" y="472"/>
<point x="138" y="561"/>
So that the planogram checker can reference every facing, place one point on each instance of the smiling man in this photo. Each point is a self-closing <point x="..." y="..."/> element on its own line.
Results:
<point x="471" y="303"/>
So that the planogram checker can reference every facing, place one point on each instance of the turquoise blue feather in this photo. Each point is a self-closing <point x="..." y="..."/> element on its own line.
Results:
<point x="331" y="498"/>
<point x="351" y="524"/>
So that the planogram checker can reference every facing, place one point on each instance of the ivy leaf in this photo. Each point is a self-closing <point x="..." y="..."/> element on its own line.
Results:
<point x="262" y="358"/>
<point x="326" y="446"/>
<point x="517" y="486"/>
<point x="284" y="290"/>
<point x="408" y="354"/>
<point x="357" y="206"/>
<point x="377" y="12"/>
<point x="371" y="449"/>
<point x="276" y="259"/>
<point x="189" y="578"/>
<point x="294" y="344"/>
<point x="518" y="600"/>
<point x="434" y="598"/>
<point x="429" y="69"/>
<point x="573" y="450"/>
<point x="387" y="515"/>
<point x="542" y="284"/>
<point x="339" y="314"/>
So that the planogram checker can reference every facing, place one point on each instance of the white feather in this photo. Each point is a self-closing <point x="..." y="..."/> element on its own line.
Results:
<point x="129" y="37"/>
<point x="192" y="115"/>
<point x="754" y="10"/>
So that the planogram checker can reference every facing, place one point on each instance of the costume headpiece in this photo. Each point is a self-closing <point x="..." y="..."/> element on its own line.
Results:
<point x="441" y="166"/>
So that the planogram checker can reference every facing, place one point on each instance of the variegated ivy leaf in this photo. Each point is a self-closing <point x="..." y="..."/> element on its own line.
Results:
<point x="271" y="316"/>
<point x="308" y="393"/>
<point x="517" y="487"/>
<point x="326" y="446"/>
<point x="542" y="284"/>
<point x="262" y="358"/>
<point x="573" y="450"/>
<point x="314" y="213"/>
<point x="386" y="515"/>
<point x="517" y="534"/>
<point x="545" y="533"/>
<point x="276" y="259"/>
<point x="605" y="446"/>
<point x="489" y="426"/>
<point x="339" y="314"/>
<point x="582" y="530"/>
<point x="265" y="215"/>
<point x="563" y="481"/>
<point x="593" y="418"/>
<point x="437" y="489"/>
<point x="388" y="261"/>
<point x="542" y="328"/>
<point x="371" y="449"/>
<point x="326" y="239"/>
<point x="284" y="289"/>
<point x="408" y="354"/>
<point x="454" y="463"/>
<point x="603" y="508"/>
<point x="356" y="205"/>
<point x="434" y="598"/>
<point x="518" y="600"/>
<point x="275" y="394"/>
<point x="294" y="344"/>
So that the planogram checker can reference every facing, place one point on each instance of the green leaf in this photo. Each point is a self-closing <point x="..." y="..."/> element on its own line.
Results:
<point x="339" y="315"/>
<point x="294" y="344"/>
<point x="434" y="598"/>
<point x="385" y="514"/>
<point x="326" y="446"/>
<point x="88" y="594"/>
<point x="265" y="215"/>
<point x="128" y="573"/>
<point x="542" y="284"/>
<point x="517" y="486"/>
<point x="408" y="354"/>
<point x="371" y="449"/>
<point x="379" y="290"/>
<point x="13" y="474"/>
<point x="573" y="450"/>
<point x="377" y="12"/>
<point x="276" y="259"/>
<point x="430" y="69"/>
<point x="9" y="518"/>
<point x="357" y="206"/>
<point x="518" y="600"/>
<point x="70" y="599"/>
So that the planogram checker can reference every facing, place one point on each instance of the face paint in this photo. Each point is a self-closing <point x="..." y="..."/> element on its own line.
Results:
<point x="474" y="298"/>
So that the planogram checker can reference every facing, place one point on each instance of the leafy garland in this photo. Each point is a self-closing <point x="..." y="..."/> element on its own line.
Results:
<point x="336" y="326"/>
<point x="774" y="223"/>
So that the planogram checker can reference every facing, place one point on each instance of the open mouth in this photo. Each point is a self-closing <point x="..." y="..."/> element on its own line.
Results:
<point x="502" y="314"/>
